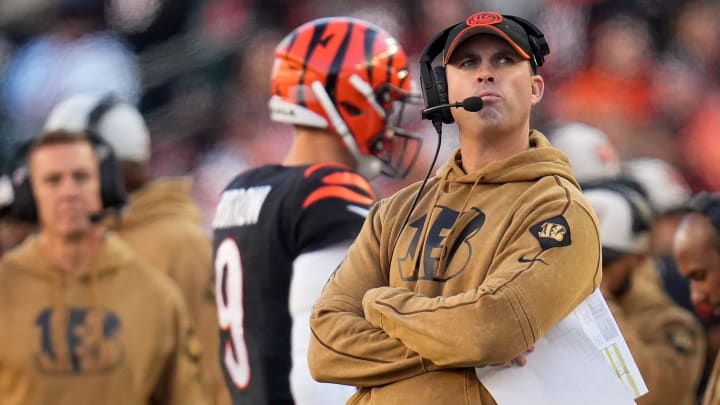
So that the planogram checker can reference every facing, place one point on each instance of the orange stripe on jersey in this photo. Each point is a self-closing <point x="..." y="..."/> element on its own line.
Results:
<point x="336" y="192"/>
<point x="349" y="179"/>
<point x="312" y="169"/>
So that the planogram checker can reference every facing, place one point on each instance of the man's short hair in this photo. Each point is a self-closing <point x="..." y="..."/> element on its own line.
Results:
<point x="57" y="138"/>
<point x="708" y="205"/>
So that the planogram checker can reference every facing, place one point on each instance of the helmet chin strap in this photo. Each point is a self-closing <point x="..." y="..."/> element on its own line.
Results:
<point x="367" y="166"/>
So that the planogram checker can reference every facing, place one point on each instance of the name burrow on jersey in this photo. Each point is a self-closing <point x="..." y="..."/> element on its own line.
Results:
<point x="240" y="206"/>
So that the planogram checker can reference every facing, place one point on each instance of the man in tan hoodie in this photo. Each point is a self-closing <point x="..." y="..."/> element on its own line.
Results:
<point x="500" y="246"/>
<point x="84" y="321"/>
<point x="161" y="223"/>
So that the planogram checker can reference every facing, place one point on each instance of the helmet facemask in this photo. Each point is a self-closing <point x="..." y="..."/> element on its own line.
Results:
<point x="396" y="147"/>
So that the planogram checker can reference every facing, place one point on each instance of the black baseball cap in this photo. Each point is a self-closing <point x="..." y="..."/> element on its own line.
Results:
<point x="489" y="22"/>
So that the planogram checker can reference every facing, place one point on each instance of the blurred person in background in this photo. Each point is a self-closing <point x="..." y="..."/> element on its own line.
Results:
<point x="244" y="136"/>
<point x="687" y="107"/>
<point x="666" y="341"/>
<point x="701" y="145"/>
<point x="679" y="92"/>
<point x="596" y="164"/>
<point x="78" y="53"/>
<point x="667" y="192"/>
<point x="612" y="92"/>
<point x="281" y="229"/>
<point x="695" y="37"/>
<point x="696" y="248"/>
<point x="85" y="320"/>
<point x="161" y="222"/>
<point x="593" y="158"/>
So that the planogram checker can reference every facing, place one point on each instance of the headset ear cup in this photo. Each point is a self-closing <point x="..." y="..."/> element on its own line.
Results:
<point x="23" y="206"/>
<point x="112" y="185"/>
<point x="429" y="87"/>
<point x="442" y="91"/>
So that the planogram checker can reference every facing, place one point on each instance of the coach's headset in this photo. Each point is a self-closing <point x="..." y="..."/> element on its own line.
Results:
<point x="112" y="186"/>
<point x="434" y="82"/>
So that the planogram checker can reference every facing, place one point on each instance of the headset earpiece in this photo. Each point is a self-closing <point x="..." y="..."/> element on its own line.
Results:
<point x="432" y="79"/>
<point x="112" y="184"/>
<point x="23" y="204"/>
<point x="442" y="92"/>
<point x="536" y="39"/>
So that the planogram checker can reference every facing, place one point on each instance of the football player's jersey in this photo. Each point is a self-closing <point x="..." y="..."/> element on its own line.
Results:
<point x="266" y="218"/>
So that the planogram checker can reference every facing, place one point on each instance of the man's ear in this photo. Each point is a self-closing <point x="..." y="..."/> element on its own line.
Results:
<point x="537" y="86"/>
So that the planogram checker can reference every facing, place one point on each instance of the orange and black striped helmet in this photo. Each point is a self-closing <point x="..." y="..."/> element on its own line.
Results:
<point x="348" y="76"/>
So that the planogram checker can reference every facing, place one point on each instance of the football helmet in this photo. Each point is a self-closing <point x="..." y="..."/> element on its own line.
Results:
<point x="117" y="122"/>
<point x="350" y="77"/>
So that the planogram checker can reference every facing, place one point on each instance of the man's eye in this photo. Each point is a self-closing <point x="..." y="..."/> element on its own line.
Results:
<point x="504" y="60"/>
<point x="53" y="180"/>
<point x="467" y="62"/>
<point x="81" y="177"/>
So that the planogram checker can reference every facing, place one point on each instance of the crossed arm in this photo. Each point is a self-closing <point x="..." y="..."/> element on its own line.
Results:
<point x="365" y="333"/>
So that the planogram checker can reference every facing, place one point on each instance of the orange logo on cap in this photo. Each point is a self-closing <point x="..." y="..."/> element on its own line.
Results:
<point x="484" y="18"/>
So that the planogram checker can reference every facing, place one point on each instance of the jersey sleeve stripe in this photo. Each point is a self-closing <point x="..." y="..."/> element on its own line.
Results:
<point x="349" y="179"/>
<point x="340" y="192"/>
<point x="312" y="169"/>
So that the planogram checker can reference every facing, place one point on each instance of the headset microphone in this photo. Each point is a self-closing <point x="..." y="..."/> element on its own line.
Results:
<point x="472" y="104"/>
<point x="96" y="217"/>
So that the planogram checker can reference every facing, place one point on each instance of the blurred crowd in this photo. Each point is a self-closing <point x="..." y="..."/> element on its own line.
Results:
<point x="642" y="71"/>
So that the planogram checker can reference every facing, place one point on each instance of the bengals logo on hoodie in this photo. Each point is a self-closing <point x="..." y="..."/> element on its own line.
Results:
<point x="78" y="341"/>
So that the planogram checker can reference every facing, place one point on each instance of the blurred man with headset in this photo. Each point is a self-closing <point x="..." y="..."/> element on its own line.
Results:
<point x="161" y="222"/>
<point x="85" y="321"/>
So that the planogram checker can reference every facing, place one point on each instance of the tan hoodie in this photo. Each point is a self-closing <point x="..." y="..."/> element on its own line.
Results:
<point x="666" y="341"/>
<point x="119" y="334"/>
<point x="411" y="311"/>
<point x="163" y="225"/>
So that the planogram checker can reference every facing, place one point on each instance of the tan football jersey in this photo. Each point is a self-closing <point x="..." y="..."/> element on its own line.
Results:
<point x="119" y="334"/>
<point x="163" y="225"/>
<point x="487" y="263"/>
<point x="665" y="340"/>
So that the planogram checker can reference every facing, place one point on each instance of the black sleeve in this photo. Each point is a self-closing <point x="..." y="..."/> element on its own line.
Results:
<point x="332" y="204"/>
